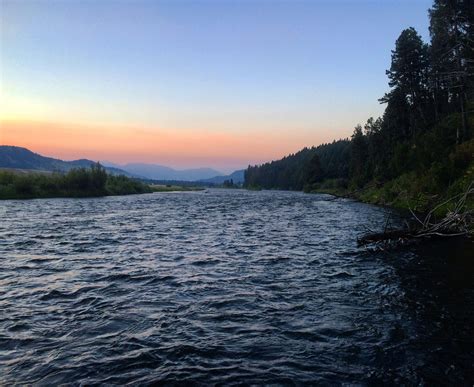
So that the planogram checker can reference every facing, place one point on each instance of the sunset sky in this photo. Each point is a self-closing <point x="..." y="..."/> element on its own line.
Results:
<point x="219" y="84"/>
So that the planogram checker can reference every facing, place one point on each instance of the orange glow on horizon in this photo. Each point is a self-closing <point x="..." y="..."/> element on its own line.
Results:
<point x="179" y="148"/>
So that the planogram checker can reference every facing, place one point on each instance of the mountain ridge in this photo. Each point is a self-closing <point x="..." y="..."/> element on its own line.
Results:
<point x="162" y="172"/>
<point x="237" y="177"/>
<point x="16" y="157"/>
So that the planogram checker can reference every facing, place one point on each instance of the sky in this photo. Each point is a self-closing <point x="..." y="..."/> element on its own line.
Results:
<point x="220" y="84"/>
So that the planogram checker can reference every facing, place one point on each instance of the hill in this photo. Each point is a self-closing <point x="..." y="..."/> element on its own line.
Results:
<point x="161" y="172"/>
<point x="420" y="153"/>
<point x="14" y="157"/>
<point x="293" y="172"/>
<point x="237" y="177"/>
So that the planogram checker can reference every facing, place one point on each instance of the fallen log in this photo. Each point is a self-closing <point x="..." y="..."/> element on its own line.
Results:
<point x="403" y="236"/>
<point x="383" y="236"/>
<point x="457" y="222"/>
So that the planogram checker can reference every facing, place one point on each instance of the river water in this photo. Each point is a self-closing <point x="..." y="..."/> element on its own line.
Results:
<point x="226" y="286"/>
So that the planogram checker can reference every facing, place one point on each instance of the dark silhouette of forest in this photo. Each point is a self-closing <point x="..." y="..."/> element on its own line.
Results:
<point x="308" y="166"/>
<point x="421" y="148"/>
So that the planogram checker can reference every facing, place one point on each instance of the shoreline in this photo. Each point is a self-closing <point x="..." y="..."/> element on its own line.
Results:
<point x="59" y="196"/>
<point x="77" y="183"/>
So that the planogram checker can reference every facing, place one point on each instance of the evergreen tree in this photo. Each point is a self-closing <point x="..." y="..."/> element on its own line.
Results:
<point x="452" y="58"/>
<point x="429" y="107"/>
<point x="313" y="171"/>
<point x="408" y="78"/>
<point x="359" y="153"/>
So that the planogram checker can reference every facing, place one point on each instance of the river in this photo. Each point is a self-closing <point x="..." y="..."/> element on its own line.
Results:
<point x="226" y="286"/>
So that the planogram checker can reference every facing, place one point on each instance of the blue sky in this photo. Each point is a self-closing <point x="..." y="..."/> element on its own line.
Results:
<point x="303" y="72"/>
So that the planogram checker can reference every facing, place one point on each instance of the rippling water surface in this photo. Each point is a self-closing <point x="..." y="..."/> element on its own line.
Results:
<point x="225" y="287"/>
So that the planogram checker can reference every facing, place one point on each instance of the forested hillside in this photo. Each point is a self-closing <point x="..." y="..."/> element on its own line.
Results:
<point x="307" y="166"/>
<point x="421" y="149"/>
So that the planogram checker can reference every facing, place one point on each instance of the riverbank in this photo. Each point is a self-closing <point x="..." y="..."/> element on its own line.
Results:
<point x="448" y="216"/>
<point x="391" y="195"/>
<point x="406" y="192"/>
<point x="76" y="183"/>
<point x="174" y="188"/>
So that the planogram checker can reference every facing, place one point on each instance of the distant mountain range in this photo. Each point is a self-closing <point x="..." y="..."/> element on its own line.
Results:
<point x="161" y="172"/>
<point x="22" y="158"/>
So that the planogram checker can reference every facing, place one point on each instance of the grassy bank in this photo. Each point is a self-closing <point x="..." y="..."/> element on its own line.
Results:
<point x="174" y="188"/>
<point x="416" y="190"/>
<point x="79" y="182"/>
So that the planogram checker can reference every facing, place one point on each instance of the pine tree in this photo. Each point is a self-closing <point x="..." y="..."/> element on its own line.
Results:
<point x="452" y="57"/>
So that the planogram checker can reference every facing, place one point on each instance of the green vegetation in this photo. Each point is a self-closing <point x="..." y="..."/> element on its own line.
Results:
<point x="229" y="184"/>
<point x="174" y="188"/>
<point x="420" y="151"/>
<point x="80" y="182"/>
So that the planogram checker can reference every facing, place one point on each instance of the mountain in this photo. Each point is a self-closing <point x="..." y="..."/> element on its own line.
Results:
<point x="237" y="177"/>
<point x="22" y="158"/>
<point x="161" y="172"/>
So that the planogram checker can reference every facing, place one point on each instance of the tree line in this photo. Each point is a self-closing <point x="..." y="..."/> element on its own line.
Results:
<point x="307" y="166"/>
<point x="426" y="128"/>
<point x="78" y="182"/>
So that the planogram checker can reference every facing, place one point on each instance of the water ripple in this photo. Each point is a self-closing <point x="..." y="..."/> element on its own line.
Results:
<point x="225" y="287"/>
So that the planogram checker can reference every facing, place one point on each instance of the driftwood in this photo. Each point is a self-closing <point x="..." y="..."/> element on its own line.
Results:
<point x="457" y="222"/>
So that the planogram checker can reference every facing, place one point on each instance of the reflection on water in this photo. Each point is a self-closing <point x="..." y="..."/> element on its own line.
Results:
<point x="225" y="286"/>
